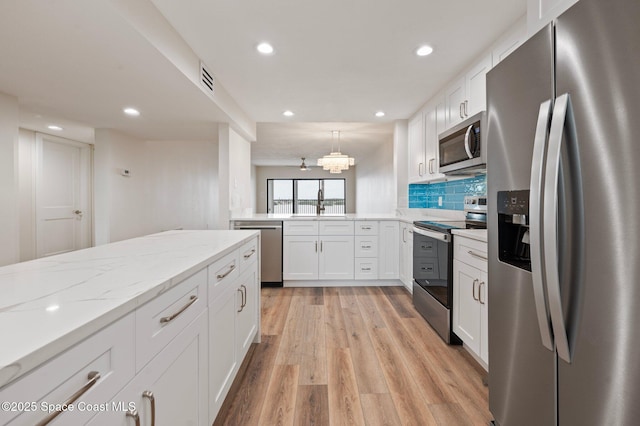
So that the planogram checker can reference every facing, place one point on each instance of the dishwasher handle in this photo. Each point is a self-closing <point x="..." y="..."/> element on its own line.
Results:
<point x="257" y="227"/>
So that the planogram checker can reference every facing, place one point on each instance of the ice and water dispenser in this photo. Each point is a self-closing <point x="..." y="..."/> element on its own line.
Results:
<point x="513" y="228"/>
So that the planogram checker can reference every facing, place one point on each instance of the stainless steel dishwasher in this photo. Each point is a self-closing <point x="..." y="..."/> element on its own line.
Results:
<point x="270" y="248"/>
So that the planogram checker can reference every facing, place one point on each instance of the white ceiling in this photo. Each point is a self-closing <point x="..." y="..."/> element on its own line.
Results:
<point x="336" y="63"/>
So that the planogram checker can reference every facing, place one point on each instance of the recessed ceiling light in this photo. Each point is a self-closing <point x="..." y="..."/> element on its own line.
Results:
<point x="288" y="113"/>
<point x="380" y="114"/>
<point x="424" y="50"/>
<point x="132" y="112"/>
<point x="265" y="48"/>
<point x="54" y="127"/>
<point x="52" y="308"/>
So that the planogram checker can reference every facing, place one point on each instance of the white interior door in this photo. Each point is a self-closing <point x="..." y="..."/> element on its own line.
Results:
<point x="63" y="194"/>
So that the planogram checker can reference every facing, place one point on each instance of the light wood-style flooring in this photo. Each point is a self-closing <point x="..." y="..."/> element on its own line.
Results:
<point x="353" y="356"/>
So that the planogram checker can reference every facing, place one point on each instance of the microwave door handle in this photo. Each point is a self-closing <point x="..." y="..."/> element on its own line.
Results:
<point x="466" y="141"/>
<point x="535" y="216"/>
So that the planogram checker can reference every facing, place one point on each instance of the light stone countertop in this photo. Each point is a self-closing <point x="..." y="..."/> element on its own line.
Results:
<point x="474" y="234"/>
<point x="404" y="216"/>
<point x="86" y="290"/>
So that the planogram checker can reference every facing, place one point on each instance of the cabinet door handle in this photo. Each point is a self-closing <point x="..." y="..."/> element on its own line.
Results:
<point x="152" y="400"/>
<point x="93" y="377"/>
<point x="473" y="289"/>
<point x="241" y="300"/>
<point x="244" y="295"/>
<point x="171" y="317"/>
<point x="466" y="108"/>
<point x="320" y="245"/>
<point x="480" y="293"/>
<point x="404" y="235"/>
<point x="316" y="246"/>
<point x="420" y="169"/>
<point x="134" y="415"/>
<point x="231" y="268"/>
<point x="251" y="253"/>
<point x="431" y="161"/>
<point x="461" y="114"/>
<point x="478" y="255"/>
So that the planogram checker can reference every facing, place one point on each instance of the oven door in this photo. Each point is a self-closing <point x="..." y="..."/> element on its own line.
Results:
<point x="432" y="257"/>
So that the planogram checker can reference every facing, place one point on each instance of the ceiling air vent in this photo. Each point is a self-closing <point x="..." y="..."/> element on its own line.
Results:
<point x="206" y="78"/>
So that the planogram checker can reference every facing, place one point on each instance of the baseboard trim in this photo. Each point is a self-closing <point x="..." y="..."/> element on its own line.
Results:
<point x="343" y="283"/>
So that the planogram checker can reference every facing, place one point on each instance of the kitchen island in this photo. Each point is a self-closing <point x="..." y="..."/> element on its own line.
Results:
<point x="100" y="320"/>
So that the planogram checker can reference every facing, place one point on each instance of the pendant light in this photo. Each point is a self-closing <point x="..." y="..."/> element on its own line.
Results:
<point x="336" y="161"/>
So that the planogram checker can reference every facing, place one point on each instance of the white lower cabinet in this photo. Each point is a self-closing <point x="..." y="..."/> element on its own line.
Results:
<point x="300" y="257"/>
<point x="470" y="291"/>
<point x="406" y="255"/>
<point x="171" y="390"/>
<point x="336" y="260"/>
<point x="389" y="251"/>
<point x="247" y="311"/>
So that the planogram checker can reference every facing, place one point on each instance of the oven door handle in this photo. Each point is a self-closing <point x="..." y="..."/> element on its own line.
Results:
<point x="432" y="234"/>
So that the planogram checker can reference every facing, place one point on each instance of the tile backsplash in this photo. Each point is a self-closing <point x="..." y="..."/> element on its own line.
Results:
<point x="449" y="194"/>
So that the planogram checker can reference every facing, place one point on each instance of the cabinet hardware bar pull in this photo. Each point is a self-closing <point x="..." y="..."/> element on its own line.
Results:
<point x="320" y="245"/>
<point x="241" y="300"/>
<point x="365" y="228"/>
<point x="366" y="247"/>
<point x="431" y="161"/>
<point x="244" y="295"/>
<point x="480" y="293"/>
<point x="466" y="108"/>
<point x="231" y="268"/>
<point x="93" y="377"/>
<point x="134" y="414"/>
<point x="152" y="400"/>
<point x="478" y="255"/>
<point x="192" y="300"/>
<point x="316" y="246"/>
<point x="251" y="253"/>
<point x="366" y="269"/>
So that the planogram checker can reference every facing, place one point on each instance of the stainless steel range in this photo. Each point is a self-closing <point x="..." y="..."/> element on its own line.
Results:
<point x="433" y="264"/>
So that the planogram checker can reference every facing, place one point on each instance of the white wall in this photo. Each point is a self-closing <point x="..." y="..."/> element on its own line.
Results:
<point x="293" y="172"/>
<point x="240" y="189"/>
<point x="400" y="161"/>
<point x="183" y="179"/>
<point x="376" y="182"/>
<point x="9" y="200"/>
<point x="27" y="192"/>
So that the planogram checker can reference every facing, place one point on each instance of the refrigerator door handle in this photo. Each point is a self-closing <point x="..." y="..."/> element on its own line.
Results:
<point x="535" y="222"/>
<point x="552" y="172"/>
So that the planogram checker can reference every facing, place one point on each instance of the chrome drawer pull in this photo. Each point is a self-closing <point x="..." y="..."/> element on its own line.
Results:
<point x="93" y="377"/>
<point x="478" y="255"/>
<point x="152" y="400"/>
<point x="241" y="300"/>
<point x="368" y="228"/>
<point x="244" y="295"/>
<point x="366" y="269"/>
<point x="365" y="247"/>
<point x="231" y="268"/>
<point x="192" y="300"/>
<point x="480" y="293"/>
<point x="246" y="256"/>
<point x="134" y="415"/>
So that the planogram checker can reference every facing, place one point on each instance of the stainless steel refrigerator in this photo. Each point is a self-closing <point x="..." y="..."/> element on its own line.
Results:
<point x="563" y="173"/>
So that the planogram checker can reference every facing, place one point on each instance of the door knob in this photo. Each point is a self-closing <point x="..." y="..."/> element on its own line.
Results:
<point x="77" y="212"/>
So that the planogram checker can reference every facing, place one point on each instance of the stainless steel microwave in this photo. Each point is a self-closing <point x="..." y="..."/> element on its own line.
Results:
<point x="462" y="148"/>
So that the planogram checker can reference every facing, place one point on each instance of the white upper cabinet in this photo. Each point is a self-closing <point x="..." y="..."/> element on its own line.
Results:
<point x="541" y="12"/>
<point x="416" y="152"/>
<point x="468" y="95"/>
<point x="423" y="141"/>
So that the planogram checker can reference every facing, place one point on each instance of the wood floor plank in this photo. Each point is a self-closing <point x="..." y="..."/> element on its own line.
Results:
<point x="369" y="310"/>
<point x="313" y="353"/>
<point x="280" y="403"/>
<point x="275" y="302"/>
<point x="398" y="297"/>
<point x="335" y="332"/>
<point x="450" y="414"/>
<point x="344" y="400"/>
<point x="365" y="361"/>
<point x="379" y="410"/>
<point x="312" y="405"/>
<point x="406" y="394"/>
<point x="434" y="388"/>
<point x="292" y="334"/>
<point x="247" y="403"/>
<point x="347" y="297"/>
<point x="463" y="380"/>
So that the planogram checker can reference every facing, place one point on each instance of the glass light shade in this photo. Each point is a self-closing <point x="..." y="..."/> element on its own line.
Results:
<point x="336" y="162"/>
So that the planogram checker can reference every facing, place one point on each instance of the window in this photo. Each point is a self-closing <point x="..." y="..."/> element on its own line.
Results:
<point x="301" y="195"/>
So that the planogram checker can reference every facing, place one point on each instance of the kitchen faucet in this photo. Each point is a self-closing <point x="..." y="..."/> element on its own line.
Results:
<point x="320" y="204"/>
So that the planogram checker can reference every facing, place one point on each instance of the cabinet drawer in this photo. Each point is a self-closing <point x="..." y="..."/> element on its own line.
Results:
<point x="223" y="272"/>
<point x="471" y="252"/>
<point x="248" y="254"/>
<point x="366" y="227"/>
<point x="300" y="227"/>
<point x="161" y="319"/>
<point x="366" y="269"/>
<point x="336" y="227"/>
<point x="366" y="246"/>
<point x="108" y="352"/>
